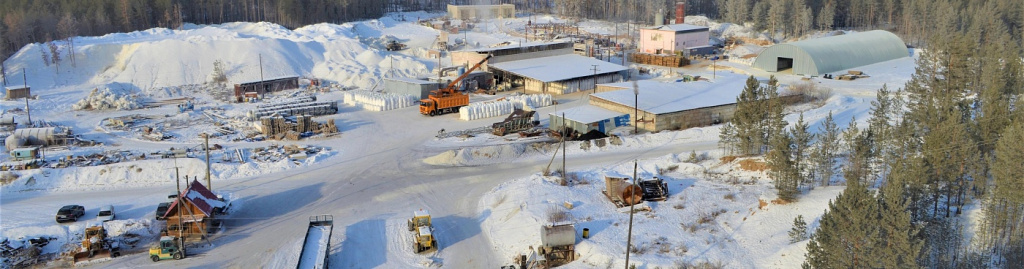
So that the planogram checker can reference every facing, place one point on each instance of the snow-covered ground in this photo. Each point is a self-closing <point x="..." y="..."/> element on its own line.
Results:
<point x="487" y="193"/>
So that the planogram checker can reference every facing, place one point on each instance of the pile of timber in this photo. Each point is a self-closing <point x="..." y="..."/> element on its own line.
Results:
<point x="280" y="128"/>
<point x="658" y="59"/>
<point x="303" y="105"/>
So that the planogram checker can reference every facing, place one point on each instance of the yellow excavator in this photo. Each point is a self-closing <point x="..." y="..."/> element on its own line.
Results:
<point x="96" y="245"/>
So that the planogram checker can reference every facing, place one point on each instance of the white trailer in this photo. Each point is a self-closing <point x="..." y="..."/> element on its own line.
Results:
<point x="317" y="244"/>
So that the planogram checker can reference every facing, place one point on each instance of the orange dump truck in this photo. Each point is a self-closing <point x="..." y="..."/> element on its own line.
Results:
<point x="448" y="100"/>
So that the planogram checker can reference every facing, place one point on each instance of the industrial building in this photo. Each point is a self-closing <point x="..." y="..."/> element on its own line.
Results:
<point x="43" y="137"/>
<point x="511" y="52"/>
<point x="586" y="118"/>
<point x="259" y="88"/>
<point x="560" y="74"/>
<point x="676" y="38"/>
<point x="410" y="86"/>
<point x="475" y="12"/>
<point x="672" y="105"/>
<point x="830" y="54"/>
<point x="18" y="92"/>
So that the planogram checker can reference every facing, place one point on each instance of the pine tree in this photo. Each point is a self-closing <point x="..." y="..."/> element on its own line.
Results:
<point x="825" y="150"/>
<point x="844" y="236"/>
<point x="748" y="117"/>
<point x="801" y="143"/>
<point x="1005" y="207"/>
<point x="728" y="138"/>
<point x="799" y="231"/>
<point x="897" y="237"/>
<point x="781" y="168"/>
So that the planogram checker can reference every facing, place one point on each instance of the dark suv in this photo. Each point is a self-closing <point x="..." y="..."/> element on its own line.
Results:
<point x="161" y="210"/>
<point x="70" y="213"/>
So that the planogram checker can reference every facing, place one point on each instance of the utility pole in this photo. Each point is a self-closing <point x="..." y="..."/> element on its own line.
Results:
<point x="595" y="77"/>
<point x="636" y="108"/>
<point x="564" y="172"/>
<point x="629" y="234"/>
<point x="177" y="183"/>
<point x="263" y="90"/>
<point x="207" y="146"/>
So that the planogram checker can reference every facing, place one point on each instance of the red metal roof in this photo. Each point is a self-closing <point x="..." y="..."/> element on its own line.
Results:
<point x="198" y="195"/>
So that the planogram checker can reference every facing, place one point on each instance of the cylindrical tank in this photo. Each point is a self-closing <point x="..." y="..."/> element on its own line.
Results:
<point x="462" y="70"/>
<point x="586" y="233"/>
<point x="659" y="18"/>
<point x="558" y="235"/>
<point x="13" y="142"/>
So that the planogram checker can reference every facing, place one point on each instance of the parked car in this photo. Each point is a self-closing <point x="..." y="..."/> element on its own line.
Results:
<point x="161" y="210"/>
<point x="106" y="213"/>
<point x="70" y="213"/>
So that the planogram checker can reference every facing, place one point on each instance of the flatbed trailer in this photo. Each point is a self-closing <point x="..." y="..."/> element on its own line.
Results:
<point x="317" y="244"/>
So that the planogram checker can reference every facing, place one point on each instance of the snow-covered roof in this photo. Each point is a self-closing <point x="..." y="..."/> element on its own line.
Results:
<point x="517" y="45"/>
<point x="16" y="87"/>
<point x="587" y="114"/>
<point x="682" y="27"/>
<point x="200" y="196"/>
<point x="666" y="97"/>
<point x="412" y="80"/>
<point x="424" y="230"/>
<point x="558" y="68"/>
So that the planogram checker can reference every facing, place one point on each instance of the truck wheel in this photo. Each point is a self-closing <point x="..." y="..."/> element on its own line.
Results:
<point x="155" y="258"/>
<point x="177" y="256"/>
<point x="115" y="254"/>
<point x="433" y="112"/>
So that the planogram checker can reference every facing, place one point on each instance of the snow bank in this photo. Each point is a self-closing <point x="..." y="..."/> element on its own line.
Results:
<point x="108" y="99"/>
<point x="131" y="234"/>
<point x="375" y="101"/>
<point x="504" y="107"/>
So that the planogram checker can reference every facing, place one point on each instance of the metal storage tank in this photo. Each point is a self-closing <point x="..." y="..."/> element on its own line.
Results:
<point x="831" y="54"/>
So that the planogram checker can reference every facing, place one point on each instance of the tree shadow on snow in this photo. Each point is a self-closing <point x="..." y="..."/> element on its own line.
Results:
<point x="365" y="245"/>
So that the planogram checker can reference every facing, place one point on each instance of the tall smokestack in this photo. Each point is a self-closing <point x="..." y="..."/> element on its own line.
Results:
<point x="680" y="12"/>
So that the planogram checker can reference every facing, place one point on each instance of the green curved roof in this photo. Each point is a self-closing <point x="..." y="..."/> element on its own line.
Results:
<point x="834" y="53"/>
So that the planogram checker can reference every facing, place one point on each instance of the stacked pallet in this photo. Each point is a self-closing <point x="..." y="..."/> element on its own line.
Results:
<point x="271" y="126"/>
<point x="656" y="59"/>
<point x="304" y="105"/>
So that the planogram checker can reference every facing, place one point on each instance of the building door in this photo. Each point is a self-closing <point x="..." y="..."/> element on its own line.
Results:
<point x="783" y="64"/>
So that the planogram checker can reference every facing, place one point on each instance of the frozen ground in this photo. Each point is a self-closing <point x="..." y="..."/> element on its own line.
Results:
<point x="486" y="193"/>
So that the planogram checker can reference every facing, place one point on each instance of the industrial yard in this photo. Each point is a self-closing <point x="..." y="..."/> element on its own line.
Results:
<point x="328" y="137"/>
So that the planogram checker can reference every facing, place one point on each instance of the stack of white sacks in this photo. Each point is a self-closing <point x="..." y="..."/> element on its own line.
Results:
<point x="504" y="107"/>
<point x="375" y="101"/>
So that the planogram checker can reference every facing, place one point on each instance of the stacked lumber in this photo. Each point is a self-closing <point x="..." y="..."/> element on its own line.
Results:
<point x="656" y="59"/>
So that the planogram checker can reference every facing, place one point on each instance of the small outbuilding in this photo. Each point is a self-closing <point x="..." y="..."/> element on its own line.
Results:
<point x="199" y="206"/>
<point x="21" y="154"/>
<point x="560" y="74"/>
<point x="258" y="88"/>
<point x="830" y="54"/>
<point x="18" y="92"/>
<point x="511" y="52"/>
<point x="587" y="118"/>
<point x="410" y="86"/>
<point x="471" y="12"/>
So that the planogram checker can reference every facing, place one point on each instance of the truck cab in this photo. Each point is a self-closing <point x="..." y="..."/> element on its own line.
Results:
<point x="168" y="248"/>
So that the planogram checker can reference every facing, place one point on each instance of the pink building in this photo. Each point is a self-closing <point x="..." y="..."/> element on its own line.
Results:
<point x="668" y="39"/>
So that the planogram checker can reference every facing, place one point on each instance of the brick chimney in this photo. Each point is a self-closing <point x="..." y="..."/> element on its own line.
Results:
<point x="680" y="12"/>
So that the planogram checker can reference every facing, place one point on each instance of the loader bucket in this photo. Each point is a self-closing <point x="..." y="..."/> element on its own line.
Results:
<point x="92" y="255"/>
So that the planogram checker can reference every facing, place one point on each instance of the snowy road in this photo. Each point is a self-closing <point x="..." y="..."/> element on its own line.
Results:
<point x="371" y="188"/>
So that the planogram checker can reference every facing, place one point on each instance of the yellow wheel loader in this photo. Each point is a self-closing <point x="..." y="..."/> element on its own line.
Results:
<point x="96" y="245"/>
<point x="423" y="232"/>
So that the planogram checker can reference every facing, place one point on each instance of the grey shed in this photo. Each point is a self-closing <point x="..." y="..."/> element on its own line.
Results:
<point x="831" y="54"/>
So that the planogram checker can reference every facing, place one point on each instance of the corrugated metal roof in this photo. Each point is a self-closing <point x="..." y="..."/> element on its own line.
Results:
<point x="412" y="80"/>
<point x="587" y="114"/>
<point x="558" y="68"/>
<point x="517" y="45"/>
<point x="834" y="53"/>
<point x="666" y="97"/>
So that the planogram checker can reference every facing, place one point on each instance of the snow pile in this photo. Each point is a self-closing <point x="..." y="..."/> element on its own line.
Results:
<point x="107" y="99"/>
<point x="57" y="239"/>
<point x="504" y="107"/>
<point x="375" y="101"/>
